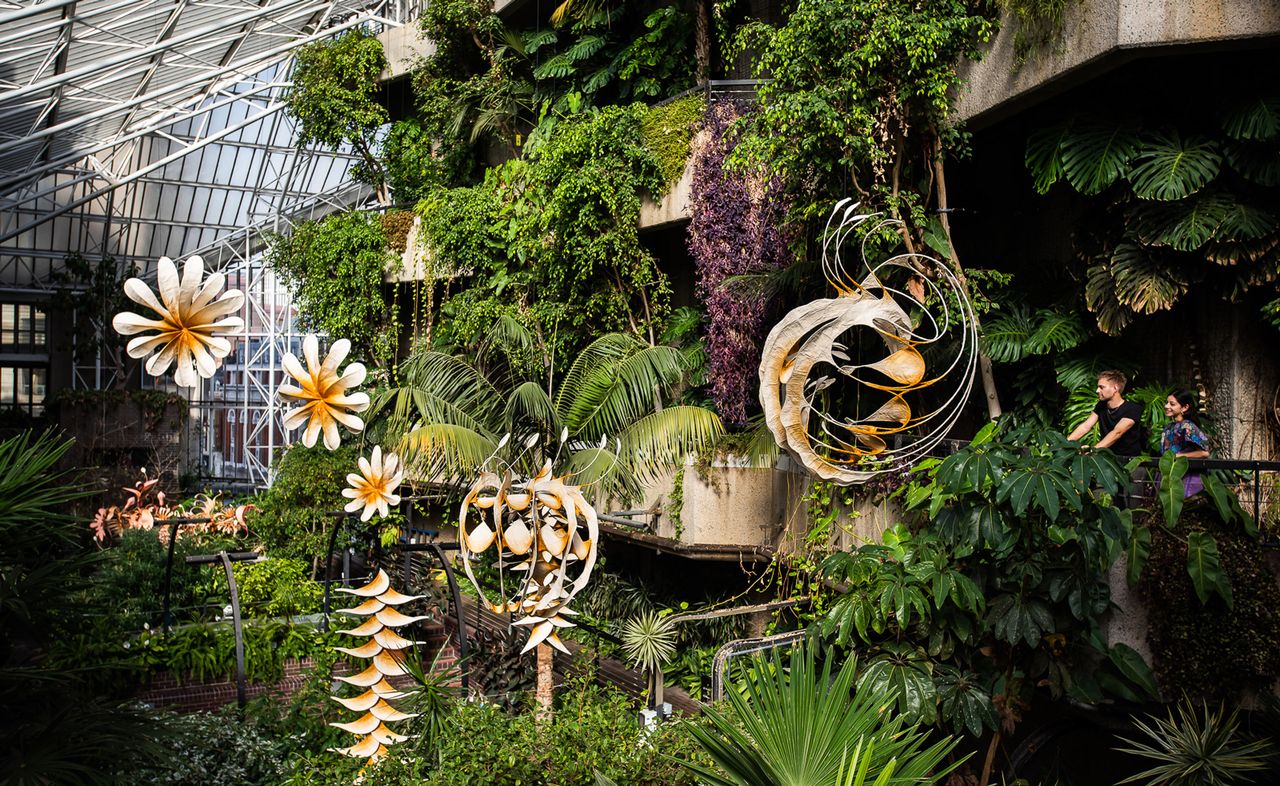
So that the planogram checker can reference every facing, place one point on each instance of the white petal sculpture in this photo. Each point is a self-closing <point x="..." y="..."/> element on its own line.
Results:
<point x="544" y="533"/>
<point x="803" y="355"/>
<point x="385" y="649"/>
<point x="321" y="392"/>
<point x="193" y="321"/>
<point x="373" y="489"/>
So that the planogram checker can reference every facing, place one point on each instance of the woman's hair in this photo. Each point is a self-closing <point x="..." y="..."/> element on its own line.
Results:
<point x="1187" y="399"/>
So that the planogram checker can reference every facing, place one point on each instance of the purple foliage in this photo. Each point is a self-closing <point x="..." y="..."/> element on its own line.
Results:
<point x="737" y="228"/>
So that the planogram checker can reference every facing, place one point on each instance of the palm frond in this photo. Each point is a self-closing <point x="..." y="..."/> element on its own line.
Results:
<point x="444" y="450"/>
<point x="663" y="439"/>
<point x="1100" y="297"/>
<point x="601" y="475"/>
<point x="625" y="391"/>
<point x="529" y="401"/>
<point x="602" y="352"/>
<point x="1185" y="225"/>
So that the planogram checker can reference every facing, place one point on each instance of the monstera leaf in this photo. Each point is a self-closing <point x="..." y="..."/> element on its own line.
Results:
<point x="1142" y="282"/>
<point x="1044" y="155"/>
<point x="1185" y="225"/>
<point x="1256" y="119"/>
<point x="1057" y="331"/>
<point x="1255" y="161"/>
<point x="1004" y="339"/>
<point x="1100" y="297"/>
<point x="1096" y="154"/>
<point x="1244" y="221"/>
<point x="1169" y="167"/>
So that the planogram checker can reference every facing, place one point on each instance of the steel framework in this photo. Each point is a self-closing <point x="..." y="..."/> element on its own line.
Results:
<point x="135" y="129"/>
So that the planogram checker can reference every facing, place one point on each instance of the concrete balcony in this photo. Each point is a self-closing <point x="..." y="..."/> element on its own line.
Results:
<point x="1098" y="36"/>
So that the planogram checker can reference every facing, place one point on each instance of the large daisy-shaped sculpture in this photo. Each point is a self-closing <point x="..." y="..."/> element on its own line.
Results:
<point x="322" y="392"/>
<point x="193" y="321"/>
<point x="374" y="487"/>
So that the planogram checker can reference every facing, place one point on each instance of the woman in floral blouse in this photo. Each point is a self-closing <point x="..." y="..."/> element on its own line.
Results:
<point x="1183" y="437"/>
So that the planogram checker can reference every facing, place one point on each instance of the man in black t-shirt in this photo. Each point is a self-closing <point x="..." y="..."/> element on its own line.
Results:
<point x="1117" y="419"/>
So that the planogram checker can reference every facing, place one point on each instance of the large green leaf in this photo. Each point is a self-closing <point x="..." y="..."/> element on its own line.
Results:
<point x="1096" y="154"/>
<point x="1185" y="225"/>
<point x="663" y="439"/>
<point x="1205" y="568"/>
<point x="1172" y="470"/>
<point x="1169" y="167"/>
<point x="1056" y="331"/>
<point x="1013" y="618"/>
<point x="1129" y="663"/>
<point x="1044" y="155"/>
<point x="1245" y="221"/>
<point x="1100" y="298"/>
<point x="1255" y="161"/>
<point x="1257" y="118"/>
<point x="904" y="673"/>
<point x="1142" y="281"/>
<point x="1004" y="337"/>
<point x="1137" y="555"/>
<point x="964" y="701"/>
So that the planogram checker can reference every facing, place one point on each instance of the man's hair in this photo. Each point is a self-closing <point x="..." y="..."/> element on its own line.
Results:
<point x="1116" y="378"/>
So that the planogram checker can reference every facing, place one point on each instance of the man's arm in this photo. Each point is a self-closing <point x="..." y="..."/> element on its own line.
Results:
<point x="1084" y="427"/>
<point x="1116" y="433"/>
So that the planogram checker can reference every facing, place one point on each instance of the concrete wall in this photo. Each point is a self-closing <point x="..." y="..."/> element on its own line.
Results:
<point x="403" y="46"/>
<point x="1098" y="35"/>
<point x="673" y="207"/>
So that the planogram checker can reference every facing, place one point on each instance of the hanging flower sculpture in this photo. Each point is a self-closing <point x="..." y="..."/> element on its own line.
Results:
<point x="819" y="344"/>
<point x="193" y="321"/>
<point x="543" y="530"/>
<point x="322" y="392"/>
<point x="385" y="649"/>
<point x="374" y="487"/>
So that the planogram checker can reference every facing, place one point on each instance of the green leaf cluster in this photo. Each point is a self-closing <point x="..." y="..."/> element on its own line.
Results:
<point x="998" y="588"/>
<point x="668" y="130"/>
<point x="335" y="269"/>
<point x="1185" y="195"/>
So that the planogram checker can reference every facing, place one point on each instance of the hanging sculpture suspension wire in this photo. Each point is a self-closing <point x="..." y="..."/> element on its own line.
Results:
<point x="807" y="341"/>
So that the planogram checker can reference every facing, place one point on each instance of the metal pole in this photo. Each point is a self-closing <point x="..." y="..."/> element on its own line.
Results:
<point x="166" y="617"/>
<point x="238" y="627"/>
<point x="328" y="590"/>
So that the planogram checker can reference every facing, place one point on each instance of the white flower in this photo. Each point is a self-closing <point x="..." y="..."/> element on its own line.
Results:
<point x="323" y="392"/>
<point x="192" y="323"/>
<point x="374" y="488"/>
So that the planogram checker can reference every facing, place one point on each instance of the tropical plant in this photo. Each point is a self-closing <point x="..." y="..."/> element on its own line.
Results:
<point x="47" y="598"/>
<point x="649" y="641"/>
<point x="604" y="419"/>
<point x="795" y="724"/>
<point x="334" y="99"/>
<point x="1171" y="197"/>
<point x="1205" y="748"/>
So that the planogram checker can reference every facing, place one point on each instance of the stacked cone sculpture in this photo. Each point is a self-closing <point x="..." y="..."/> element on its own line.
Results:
<point x="385" y="648"/>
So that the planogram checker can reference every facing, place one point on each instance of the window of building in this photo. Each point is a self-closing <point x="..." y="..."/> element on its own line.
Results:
<point x="24" y="357"/>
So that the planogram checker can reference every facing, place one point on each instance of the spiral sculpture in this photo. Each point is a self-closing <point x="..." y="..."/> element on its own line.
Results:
<point x="804" y="355"/>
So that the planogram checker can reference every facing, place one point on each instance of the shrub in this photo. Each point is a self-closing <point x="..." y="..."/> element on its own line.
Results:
<point x="291" y="519"/>
<point x="210" y="748"/>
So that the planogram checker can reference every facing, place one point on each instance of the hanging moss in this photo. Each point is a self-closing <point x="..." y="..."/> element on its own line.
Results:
<point x="1208" y="650"/>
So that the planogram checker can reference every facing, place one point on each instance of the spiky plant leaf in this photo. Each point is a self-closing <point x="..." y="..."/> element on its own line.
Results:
<point x="1258" y="119"/>
<point x="1255" y="161"/>
<point x="799" y="725"/>
<point x="1185" y="225"/>
<point x="528" y="404"/>
<point x="1004" y="339"/>
<point x="1096" y="154"/>
<point x="1196" y="749"/>
<point x="1142" y="281"/>
<point x="1100" y="298"/>
<point x="649" y="641"/>
<point x="1169" y="167"/>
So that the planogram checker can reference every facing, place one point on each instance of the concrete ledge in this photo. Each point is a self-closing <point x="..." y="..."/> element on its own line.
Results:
<point x="403" y="46"/>
<point x="674" y="206"/>
<point x="1098" y="35"/>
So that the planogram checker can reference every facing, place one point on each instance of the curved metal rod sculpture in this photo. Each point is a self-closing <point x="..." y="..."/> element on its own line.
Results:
<point x="833" y="448"/>
<point x="542" y="527"/>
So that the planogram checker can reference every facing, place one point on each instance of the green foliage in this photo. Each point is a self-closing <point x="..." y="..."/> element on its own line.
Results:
<point x="601" y="416"/>
<point x="804" y="725"/>
<point x="668" y="130"/>
<point x="854" y="90"/>
<point x="94" y="292"/>
<point x="276" y="587"/>
<point x="1001" y="587"/>
<point x="1175" y="197"/>
<point x="207" y="747"/>
<point x="1038" y="24"/>
<point x="1218" y="634"/>
<point x="334" y="95"/>
<point x="131" y="574"/>
<point x="335" y="269"/>
<point x="1018" y="332"/>
<point x="205" y="652"/>
<point x="649" y="641"/>
<point x="56" y="729"/>
<point x="291" y="518"/>
<point x="1205" y="748"/>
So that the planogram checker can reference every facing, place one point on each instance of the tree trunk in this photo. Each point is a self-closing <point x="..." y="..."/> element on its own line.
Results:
<point x="546" y="675"/>
<point x="984" y="363"/>
<point x="702" y="43"/>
